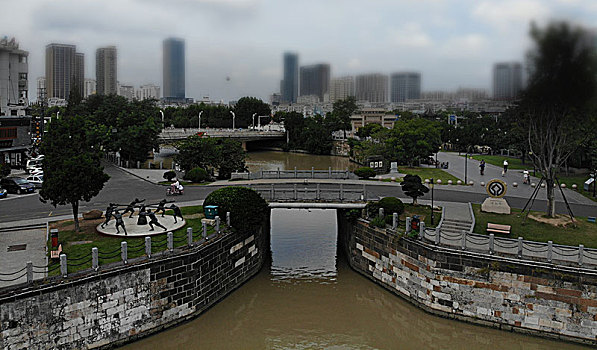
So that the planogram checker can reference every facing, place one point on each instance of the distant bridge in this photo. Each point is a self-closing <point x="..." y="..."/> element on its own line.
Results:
<point x="244" y="135"/>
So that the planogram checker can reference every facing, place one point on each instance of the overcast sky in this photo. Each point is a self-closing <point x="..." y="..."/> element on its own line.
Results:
<point x="451" y="42"/>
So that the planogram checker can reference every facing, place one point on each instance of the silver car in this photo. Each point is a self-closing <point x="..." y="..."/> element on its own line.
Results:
<point x="36" y="180"/>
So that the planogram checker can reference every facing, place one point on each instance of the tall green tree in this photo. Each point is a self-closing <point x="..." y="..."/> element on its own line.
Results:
<point x="559" y="101"/>
<point x="412" y="140"/>
<point x="412" y="187"/>
<point x="246" y="107"/>
<point x="343" y="110"/>
<point x="221" y="154"/>
<point x="72" y="169"/>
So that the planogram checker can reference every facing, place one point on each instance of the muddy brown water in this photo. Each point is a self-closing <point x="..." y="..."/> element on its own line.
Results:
<point x="309" y="298"/>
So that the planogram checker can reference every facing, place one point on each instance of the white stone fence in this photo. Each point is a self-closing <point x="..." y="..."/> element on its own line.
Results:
<point x="314" y="192"/>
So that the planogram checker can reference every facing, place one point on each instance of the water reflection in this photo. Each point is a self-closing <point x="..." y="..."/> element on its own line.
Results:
<point x="272" y="160"/>
<point x="308" y="301"/>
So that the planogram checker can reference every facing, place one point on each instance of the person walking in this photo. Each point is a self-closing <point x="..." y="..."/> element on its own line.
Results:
<point x="505" y="167"/>
<point x="482" y="166"/>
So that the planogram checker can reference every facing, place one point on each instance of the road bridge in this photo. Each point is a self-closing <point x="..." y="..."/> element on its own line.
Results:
<point x="169" y="135"/>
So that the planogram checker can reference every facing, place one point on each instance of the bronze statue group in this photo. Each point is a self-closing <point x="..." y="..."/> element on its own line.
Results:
<point x="112" y="211"/>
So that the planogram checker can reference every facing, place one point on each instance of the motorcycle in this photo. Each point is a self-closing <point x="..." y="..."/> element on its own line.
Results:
<point x="173" y="191"/>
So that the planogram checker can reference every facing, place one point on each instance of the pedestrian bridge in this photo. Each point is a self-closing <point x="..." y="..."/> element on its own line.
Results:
<point x="314" y="196"/>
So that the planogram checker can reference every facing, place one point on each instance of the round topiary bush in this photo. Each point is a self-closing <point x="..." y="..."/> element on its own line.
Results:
<point x="169" y="175"/>
<point x="196" y="175"/>
<point x="247" y="208"/>
<point x="391" y="205"/>
<point x="364" y="172"/>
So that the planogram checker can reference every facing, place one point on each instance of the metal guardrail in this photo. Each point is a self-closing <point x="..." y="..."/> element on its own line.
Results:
<point x="313" y="192"/>
<point x="519" y="248"/>
<point x="300" y="174"/>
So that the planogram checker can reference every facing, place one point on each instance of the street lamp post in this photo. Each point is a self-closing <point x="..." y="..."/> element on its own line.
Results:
<point x="162" y="112"/>
<point x="432" y="213"/>
<point x="200" y="112"/>
<point x="233" y="118"/>
<point x="465" y="166"/>
<point x="254" y="114"/>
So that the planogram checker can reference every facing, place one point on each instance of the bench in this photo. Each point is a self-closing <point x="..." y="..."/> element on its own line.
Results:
<point x="55" y="254"/>
<point x="496" y="228"/>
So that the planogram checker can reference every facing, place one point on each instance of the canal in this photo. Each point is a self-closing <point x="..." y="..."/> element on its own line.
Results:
<point x="309" y="298"/>
<point x="269" y="160"/>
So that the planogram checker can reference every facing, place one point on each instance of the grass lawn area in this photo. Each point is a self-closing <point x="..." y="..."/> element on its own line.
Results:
<point x="428" y="173"/>
<point x="424" y="213"/>
<point x="77" y="246"/>
<point x="584" y="232"/>
<point x="513" y="163"/>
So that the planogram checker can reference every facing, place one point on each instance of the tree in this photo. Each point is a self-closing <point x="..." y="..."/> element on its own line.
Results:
<point x="72" y="169"/>
<point x="412" y="187"/>
<point x="224" y="155"/>
<point x="412" y="140"/>
<point x="246" y="107"/>
<point x="316" y="137"/>
<point x="559" y="100"/>
<point x="343" y="110"/>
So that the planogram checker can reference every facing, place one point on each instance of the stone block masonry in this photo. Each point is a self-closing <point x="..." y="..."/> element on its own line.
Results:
<point x="549" y="301"/>
<point x="113" y="307"/>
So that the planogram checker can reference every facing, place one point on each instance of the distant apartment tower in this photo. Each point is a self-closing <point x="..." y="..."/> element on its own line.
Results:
<point x="106" y="70"/>
<point x="372" y="87"/>
<point x="90" y="87"/>
<point x="65" y="68"/>
<point x="405" y="86"/>
<point x="41" y="88"/>
<point x="174" y="69"/>
<point x="341" y="88"/>
<point x="507" y="80"/>
<point x="148" y="91"/>
<point x="127" y="91"/>
<point x="14" y="71"/>
<point x="289" y="86"/>
<point x="315" y="81"/>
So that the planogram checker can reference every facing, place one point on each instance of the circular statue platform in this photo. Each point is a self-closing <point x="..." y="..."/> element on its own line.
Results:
<point x="134" y="230"/>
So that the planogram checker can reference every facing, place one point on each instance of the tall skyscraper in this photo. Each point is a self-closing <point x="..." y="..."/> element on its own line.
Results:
<point x="341" y="88"/>
<point x="14" y="71"/>
<point x="405" y="86"/>
<point x="289" y="86"/>
<point x="174" y="69"/>
<point x="64" y="68"/>
<point x="507" y="80"/>
<point x="315" y="80"/>
<point x="105" y="70"/>
<point x="372" y="87"/>
<point x="90" y="87"/>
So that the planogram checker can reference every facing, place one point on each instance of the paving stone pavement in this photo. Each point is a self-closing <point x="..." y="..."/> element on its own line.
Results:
<point x="19" y="247"/>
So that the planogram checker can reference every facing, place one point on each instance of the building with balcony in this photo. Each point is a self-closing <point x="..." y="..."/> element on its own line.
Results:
<point x="14" y="80"/>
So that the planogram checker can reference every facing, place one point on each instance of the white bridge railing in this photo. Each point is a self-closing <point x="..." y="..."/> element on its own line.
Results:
<point x="313" y="192"/>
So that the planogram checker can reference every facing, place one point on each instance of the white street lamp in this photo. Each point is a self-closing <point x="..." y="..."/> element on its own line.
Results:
<point x="254" y="114"/>
<point x="201" y="112"/>
<point x="162" y="116"/>
<point x="233" y="118"/>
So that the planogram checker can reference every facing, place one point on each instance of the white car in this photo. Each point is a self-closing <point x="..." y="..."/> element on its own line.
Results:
<point x="36" y="180"/>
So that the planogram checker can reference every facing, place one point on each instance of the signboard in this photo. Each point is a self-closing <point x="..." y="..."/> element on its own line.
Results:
<point x="496" y="188"/>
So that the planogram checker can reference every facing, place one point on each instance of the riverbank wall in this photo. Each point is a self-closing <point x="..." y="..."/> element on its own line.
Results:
<point x="526" y="297"/>
<point x="121" y="304"/>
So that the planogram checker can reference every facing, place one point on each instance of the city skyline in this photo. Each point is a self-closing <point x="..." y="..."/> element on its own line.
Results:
<point x="234" y="46"/>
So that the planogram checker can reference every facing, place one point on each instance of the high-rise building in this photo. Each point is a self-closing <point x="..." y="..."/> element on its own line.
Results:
<point x="105" y="70"/>
<point x="507" y="80"/>
<point x="289" y="86"/>
<point x="90" y="87"/>
<point x="405" y="86"/>
<point x="148" y="91"/>
<point x="341" y="88"/>
<point x="14" y="71"/>
<point x="127" y="91"/>
<point x="174" y="69"/>
<point x="372" y="87"/>
<point x="41" y="88"/>
<point x="65" y="68"/>
<point x="315" y="80"/>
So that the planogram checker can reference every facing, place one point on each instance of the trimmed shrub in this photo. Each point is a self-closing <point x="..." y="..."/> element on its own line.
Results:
<point x="391" y="205"/>
<point x="353" y="215"/>
<point x="169" y="175"/>
<point x="196" y="175"/>
<point x="248" y="210"/>
<point x="364" y="172"/>
<point x="378" y="222"/>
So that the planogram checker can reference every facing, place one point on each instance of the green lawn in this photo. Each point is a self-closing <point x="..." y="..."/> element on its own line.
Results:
<point x="513" y="163"/>
<point x="429" y="173"/>
<point x="584" y="232"/>
<point x="77" y="246"/>
<point x="424" y="213"/>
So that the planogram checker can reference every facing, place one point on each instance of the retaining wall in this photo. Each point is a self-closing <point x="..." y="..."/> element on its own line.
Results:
<point x="112" y="307"/>
<point x="527" y="297"/>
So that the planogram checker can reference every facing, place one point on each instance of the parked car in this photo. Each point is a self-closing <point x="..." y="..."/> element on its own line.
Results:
<point x="33" y="164"/>
<point x="36" y="179"/>
<point x="3" y="193"/>
<point x="17" y="185"/>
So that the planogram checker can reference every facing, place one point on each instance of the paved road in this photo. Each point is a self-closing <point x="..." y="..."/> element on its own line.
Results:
<point x="123" y="187"/>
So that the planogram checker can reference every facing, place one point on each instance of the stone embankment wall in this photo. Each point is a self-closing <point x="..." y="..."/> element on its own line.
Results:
<point x="504" y="293"/>
<point x="108" y="308"/>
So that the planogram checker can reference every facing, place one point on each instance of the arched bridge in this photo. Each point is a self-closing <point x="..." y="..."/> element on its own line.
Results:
<point x="244" y="135"/>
